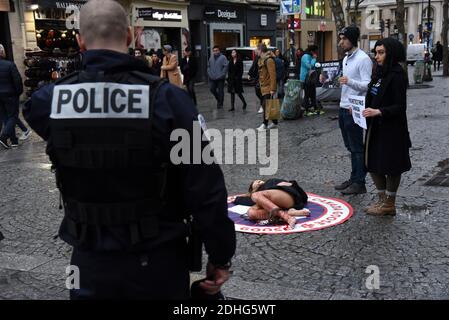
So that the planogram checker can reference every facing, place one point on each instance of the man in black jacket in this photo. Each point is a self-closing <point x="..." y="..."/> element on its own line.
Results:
<point x="11" y="88"/>
<point x="189" y="69"/>
<point x="126" y="198"/>
<point x="156" y="64"/>
<point x="253" y="74"/>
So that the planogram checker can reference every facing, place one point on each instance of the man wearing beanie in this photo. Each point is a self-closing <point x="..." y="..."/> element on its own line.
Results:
<point x="357" y="70"/>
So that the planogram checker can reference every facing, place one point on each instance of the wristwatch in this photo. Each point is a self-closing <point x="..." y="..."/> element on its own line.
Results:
<point x="225" y="266"/>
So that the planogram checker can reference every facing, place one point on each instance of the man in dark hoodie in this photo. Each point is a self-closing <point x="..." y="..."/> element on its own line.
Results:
<point x="126" y="200"/>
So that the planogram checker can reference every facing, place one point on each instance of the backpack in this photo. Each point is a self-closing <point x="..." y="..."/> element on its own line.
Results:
<point x="280" y="70"/>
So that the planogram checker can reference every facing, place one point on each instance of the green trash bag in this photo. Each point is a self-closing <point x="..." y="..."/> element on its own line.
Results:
<point x="291" y="105"/>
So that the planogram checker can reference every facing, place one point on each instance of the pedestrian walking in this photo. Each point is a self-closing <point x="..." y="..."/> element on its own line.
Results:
<point x="281" y="71"/>
<point x="189" y="68"/>
<point x="128" y="205"/>
<point x="169" y="68"/>
<point x="387" y="141"/>
<point x="26" y="132"/>
<point x="235" y="74"/>
<point x="11" y="88"/>
<point x="156" y="64"/>
<point x="253" y="75"/>
<point x="437" y="56"/>
<point x="298" y="57"/>
<point x="217" y="70"/>
<point x="308" y="79"/>
<point x="267" y="80"/>
<point x="140" y="54"/>
<point x="357" y="71"/>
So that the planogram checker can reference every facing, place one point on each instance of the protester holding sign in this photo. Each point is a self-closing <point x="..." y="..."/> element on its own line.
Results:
<point x="357" y="70"/>
<point x="387" y="142"/>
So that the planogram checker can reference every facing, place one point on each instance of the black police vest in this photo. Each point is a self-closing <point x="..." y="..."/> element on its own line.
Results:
<point x="108" y="170"/>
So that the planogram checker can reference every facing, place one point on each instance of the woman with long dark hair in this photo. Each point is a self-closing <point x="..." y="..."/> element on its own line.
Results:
<point x="387" y="141"/>
<point x="235" y="73"/>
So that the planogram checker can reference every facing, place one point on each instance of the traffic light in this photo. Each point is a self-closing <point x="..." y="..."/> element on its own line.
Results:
<point x="387" y="25"/>
<point x="382" y="26"/>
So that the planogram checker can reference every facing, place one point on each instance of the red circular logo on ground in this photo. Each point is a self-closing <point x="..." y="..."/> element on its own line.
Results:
<point x="325" y="212"/>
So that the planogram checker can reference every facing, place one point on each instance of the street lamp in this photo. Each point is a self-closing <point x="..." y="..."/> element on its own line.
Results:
<point x="428" y="26"/>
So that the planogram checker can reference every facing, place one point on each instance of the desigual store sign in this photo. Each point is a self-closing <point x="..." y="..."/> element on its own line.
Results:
<point x="223" y="14"/>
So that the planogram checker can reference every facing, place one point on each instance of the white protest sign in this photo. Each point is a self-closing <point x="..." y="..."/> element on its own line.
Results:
<point x="357" y="106"/>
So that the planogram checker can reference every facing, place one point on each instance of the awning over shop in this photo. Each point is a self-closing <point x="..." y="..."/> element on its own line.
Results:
<point x="60" y="4"/>
<point x="4" y="5"/>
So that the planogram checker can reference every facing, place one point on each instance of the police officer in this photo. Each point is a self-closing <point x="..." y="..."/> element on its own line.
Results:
<point x="126" y="204"/>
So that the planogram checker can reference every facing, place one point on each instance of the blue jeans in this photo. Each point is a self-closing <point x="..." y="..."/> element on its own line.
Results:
<point x="9" y="113"/>
<point x="21" y="125"/>
<point x="353" y="139"/>
<point x="217" y="89"/>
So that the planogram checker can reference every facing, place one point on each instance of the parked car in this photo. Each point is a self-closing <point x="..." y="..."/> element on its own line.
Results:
<point x="415" y="52"/>
<point x="247" y="54"/>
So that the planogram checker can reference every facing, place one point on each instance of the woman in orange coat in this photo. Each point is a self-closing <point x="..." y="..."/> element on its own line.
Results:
<point x="169" y="68"/>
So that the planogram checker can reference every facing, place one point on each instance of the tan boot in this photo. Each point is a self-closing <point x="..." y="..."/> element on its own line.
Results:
<point x="380" y="200"/>
<point x="388" y="208"/>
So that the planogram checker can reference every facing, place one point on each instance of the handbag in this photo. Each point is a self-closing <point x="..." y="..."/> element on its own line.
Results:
<point x="272" y="109"/>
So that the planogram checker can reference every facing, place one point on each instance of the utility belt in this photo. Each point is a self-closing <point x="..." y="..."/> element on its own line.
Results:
<point x="140" y="217"/>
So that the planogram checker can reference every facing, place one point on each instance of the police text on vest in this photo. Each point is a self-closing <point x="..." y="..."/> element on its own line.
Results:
<point x="96" y="100"/>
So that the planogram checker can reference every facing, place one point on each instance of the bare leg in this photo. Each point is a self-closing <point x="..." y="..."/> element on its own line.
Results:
<point x="271" y="199"/>
<point x="299" y="213"/>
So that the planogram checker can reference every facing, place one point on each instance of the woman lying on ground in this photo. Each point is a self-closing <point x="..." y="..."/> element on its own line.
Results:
<point x="275" y="200"/>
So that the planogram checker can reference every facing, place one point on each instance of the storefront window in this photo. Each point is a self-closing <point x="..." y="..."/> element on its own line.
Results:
<point x="152" y="39"/>
<point x="315" y="8"/>
<point x="255" y="41"/>
<point x="52" y="32"/>
<point x="226" y="38"/>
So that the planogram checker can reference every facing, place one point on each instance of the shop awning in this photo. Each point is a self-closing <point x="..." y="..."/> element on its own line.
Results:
<point x="60" y="4"/>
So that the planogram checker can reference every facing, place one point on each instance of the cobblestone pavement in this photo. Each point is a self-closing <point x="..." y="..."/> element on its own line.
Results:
<point x="411" y="250"/>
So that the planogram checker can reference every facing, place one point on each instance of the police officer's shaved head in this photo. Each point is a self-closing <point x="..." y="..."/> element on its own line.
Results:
<point x="103" y="23"/>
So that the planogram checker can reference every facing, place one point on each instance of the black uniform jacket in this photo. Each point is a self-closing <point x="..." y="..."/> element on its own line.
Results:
<point x="195" y="189"/>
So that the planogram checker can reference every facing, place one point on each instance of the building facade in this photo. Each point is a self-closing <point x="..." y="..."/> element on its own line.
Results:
<point x="39" y="26"/>
<point x="313" y="26"/>
<point x="371" y="12"/>
<point x="231" y="23"/>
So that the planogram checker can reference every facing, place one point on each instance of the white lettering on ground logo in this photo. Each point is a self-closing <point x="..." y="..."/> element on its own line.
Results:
<point x="98" y="100"/>
<point x="325" y="212"/>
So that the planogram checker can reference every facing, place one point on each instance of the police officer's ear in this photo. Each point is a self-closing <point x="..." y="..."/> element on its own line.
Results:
<point x="129" y="36"/>
<point x="81" y="43"/>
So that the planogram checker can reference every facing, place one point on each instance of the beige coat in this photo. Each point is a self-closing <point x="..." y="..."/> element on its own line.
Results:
<point x="267" y="73"/>
<point x="170" y="70"/>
